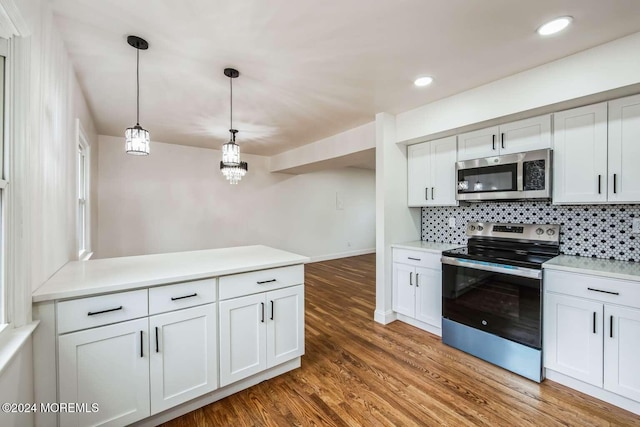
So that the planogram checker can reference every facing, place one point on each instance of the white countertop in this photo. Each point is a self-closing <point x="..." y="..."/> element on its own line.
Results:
<point x="625" y="270"/>
<point x="82" y="278"/>
<point x="432" y="247"/>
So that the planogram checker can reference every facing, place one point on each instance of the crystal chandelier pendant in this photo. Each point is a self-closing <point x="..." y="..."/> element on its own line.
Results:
<point x="137" y="141"/>
<point x="234" y="173"/>
<point x="231" y="151"/>
<point x="231" y="166"/>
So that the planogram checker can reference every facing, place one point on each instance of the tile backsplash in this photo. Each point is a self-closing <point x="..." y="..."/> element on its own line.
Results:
<point x="599" y="231"/>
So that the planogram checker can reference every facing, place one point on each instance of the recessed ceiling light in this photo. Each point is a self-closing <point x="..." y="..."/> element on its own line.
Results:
<point x="555" y="26"/>
<point x="423" y="81"/>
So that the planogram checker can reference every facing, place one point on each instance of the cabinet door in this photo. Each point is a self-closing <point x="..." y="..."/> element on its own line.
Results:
<point x="109" y="366"/>
<point x="443" y="172"/>
<point x="624" y="149"/>
<point x="418" y="174"/>
<point x="183" y="358"/>
<point x="403" y="289"/>
<point x="573" y="337"/>
<point x="285" y="325"/>
<point x="429" y="296"/>
<point x="478" y="144"/>
<point x="525" y="135"/>
<point x="243" y="338"/>
<point x="580" y="155"/>
<point x="621" y="350"/>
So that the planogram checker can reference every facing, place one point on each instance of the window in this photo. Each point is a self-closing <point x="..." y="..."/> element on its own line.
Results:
<point x="83" y="220"/>
<point x="3" y="197"/>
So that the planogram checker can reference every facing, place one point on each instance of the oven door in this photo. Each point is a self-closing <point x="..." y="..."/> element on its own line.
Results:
<point x="499" y="299"/>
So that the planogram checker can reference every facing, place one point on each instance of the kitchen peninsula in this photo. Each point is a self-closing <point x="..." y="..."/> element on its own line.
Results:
<point x="148" y="338"/>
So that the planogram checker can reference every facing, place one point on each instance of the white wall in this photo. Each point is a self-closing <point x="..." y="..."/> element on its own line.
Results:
<point x="602" y="68"/>
<point x="16" y="386"/>
<point x="45" y="99"/>
<point x="176" y="199"/>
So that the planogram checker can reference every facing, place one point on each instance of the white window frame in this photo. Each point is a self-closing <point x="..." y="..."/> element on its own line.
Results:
<point x="83" y="193"/>
<point x="5" y="293"/>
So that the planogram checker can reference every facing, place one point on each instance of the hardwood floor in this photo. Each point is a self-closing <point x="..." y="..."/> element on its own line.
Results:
<point x="357" y="372"/>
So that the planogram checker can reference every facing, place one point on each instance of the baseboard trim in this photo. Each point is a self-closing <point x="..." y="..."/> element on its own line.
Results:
<point x="342" y="255"/>
<point x="384" y="317"/>
<point x="421" y="325"/>
<point x="597" y="392"/>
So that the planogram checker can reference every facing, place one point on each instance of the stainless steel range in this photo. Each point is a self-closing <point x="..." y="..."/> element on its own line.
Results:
<point x="492" y="294"/>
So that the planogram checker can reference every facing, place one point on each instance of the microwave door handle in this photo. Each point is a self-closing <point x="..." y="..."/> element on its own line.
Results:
<point x="520" y="177"/>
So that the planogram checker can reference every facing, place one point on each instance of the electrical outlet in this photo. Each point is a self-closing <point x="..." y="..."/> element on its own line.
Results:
<point x="635" y="228"/>
<point x="452" y="221"/>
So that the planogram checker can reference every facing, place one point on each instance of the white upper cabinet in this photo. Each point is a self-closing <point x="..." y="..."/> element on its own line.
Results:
<point x="624" y="150"/>
<point x="580" y="155"/>
<point x="431" y="173"/>
<point x="595" y="159"/>
<point x="515" y="137"/>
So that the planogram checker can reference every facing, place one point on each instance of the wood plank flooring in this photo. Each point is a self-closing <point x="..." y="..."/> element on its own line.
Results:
<point x="357" y="372"/>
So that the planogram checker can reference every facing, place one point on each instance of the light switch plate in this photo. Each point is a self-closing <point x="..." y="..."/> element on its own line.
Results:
<point x="452" y="221"/>
<point x="635" y="228"/>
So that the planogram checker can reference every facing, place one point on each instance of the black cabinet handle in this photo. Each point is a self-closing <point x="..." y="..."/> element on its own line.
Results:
<point x="186" y="296"/>
<point x="493" y="143"/>
<point x="413" y="259"/>
<point x="417" y="286"/>
<point x="610" y="326"/>
<point x="262" y="304"/>
<point x="157" y="349"/>
<point x="599" y="184"/>
<point x="594" y="322"/>
<point x="93" y="313"/>
<point x="266" y="281"/>
<point x="426" y="193"/>
<point x="604" y="292"/>
<point x="502" y="140"/>
<point x="615" y="183"/>
<point x="271" y="309"/>
<point x="432" y="193"/>
<point x="411" y="279"/>
<point x="141" y="344"/>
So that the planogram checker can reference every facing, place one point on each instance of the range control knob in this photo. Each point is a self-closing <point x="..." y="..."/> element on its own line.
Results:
<point x="480" y="228"/>
<point x="551" y="231"/>
<point x="539" y="231"/>
<point x="472" y="228"/>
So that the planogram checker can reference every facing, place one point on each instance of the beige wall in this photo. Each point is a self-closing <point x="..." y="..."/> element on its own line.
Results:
<point x="176" y="199"/>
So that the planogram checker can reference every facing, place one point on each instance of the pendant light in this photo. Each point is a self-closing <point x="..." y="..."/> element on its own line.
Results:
<point x="231" y="166"/>
<point x="137" y="138"/>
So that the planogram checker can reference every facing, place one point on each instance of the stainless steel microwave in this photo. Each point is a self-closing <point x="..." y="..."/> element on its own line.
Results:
<point x="508" y="177"/>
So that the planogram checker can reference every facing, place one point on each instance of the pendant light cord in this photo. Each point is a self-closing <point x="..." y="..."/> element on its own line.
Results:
<point x="233" y="136"/>
<point x="138" y="86"/>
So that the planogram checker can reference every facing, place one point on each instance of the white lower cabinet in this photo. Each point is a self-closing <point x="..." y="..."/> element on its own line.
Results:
<point x="108" y="365"/>
<point x="183" y="356"/>
<point x="592" y="330"/>
<point x="417" y="286"/>
<point x="260" y="331"/>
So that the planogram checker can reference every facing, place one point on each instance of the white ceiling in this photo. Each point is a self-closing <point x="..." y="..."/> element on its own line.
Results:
<point x="308" y="69"/>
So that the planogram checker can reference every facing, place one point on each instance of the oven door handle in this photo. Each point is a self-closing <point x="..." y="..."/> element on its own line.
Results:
<point x="495" y="268"/>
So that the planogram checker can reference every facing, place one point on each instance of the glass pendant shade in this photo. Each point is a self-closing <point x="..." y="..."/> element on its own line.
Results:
<point x="234" y="173"/>
<point x="137" y="141"/>
<point x="231" y="154"/>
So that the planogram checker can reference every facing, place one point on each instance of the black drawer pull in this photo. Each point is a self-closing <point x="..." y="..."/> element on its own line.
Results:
<point x="266" y="281"/>
<point x="93" y="313"/>
<point x="413" y="259"/>
<point x="186" y="296"/>
<point x="604" y="292"/>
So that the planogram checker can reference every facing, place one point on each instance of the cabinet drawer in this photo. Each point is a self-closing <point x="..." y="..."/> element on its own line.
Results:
<point x="417" y="258"/>
<point x="593" y="287"/>
<point x="260" y="281"/>
<point x="181" y="295"/>
<point x="96" y="311"/>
